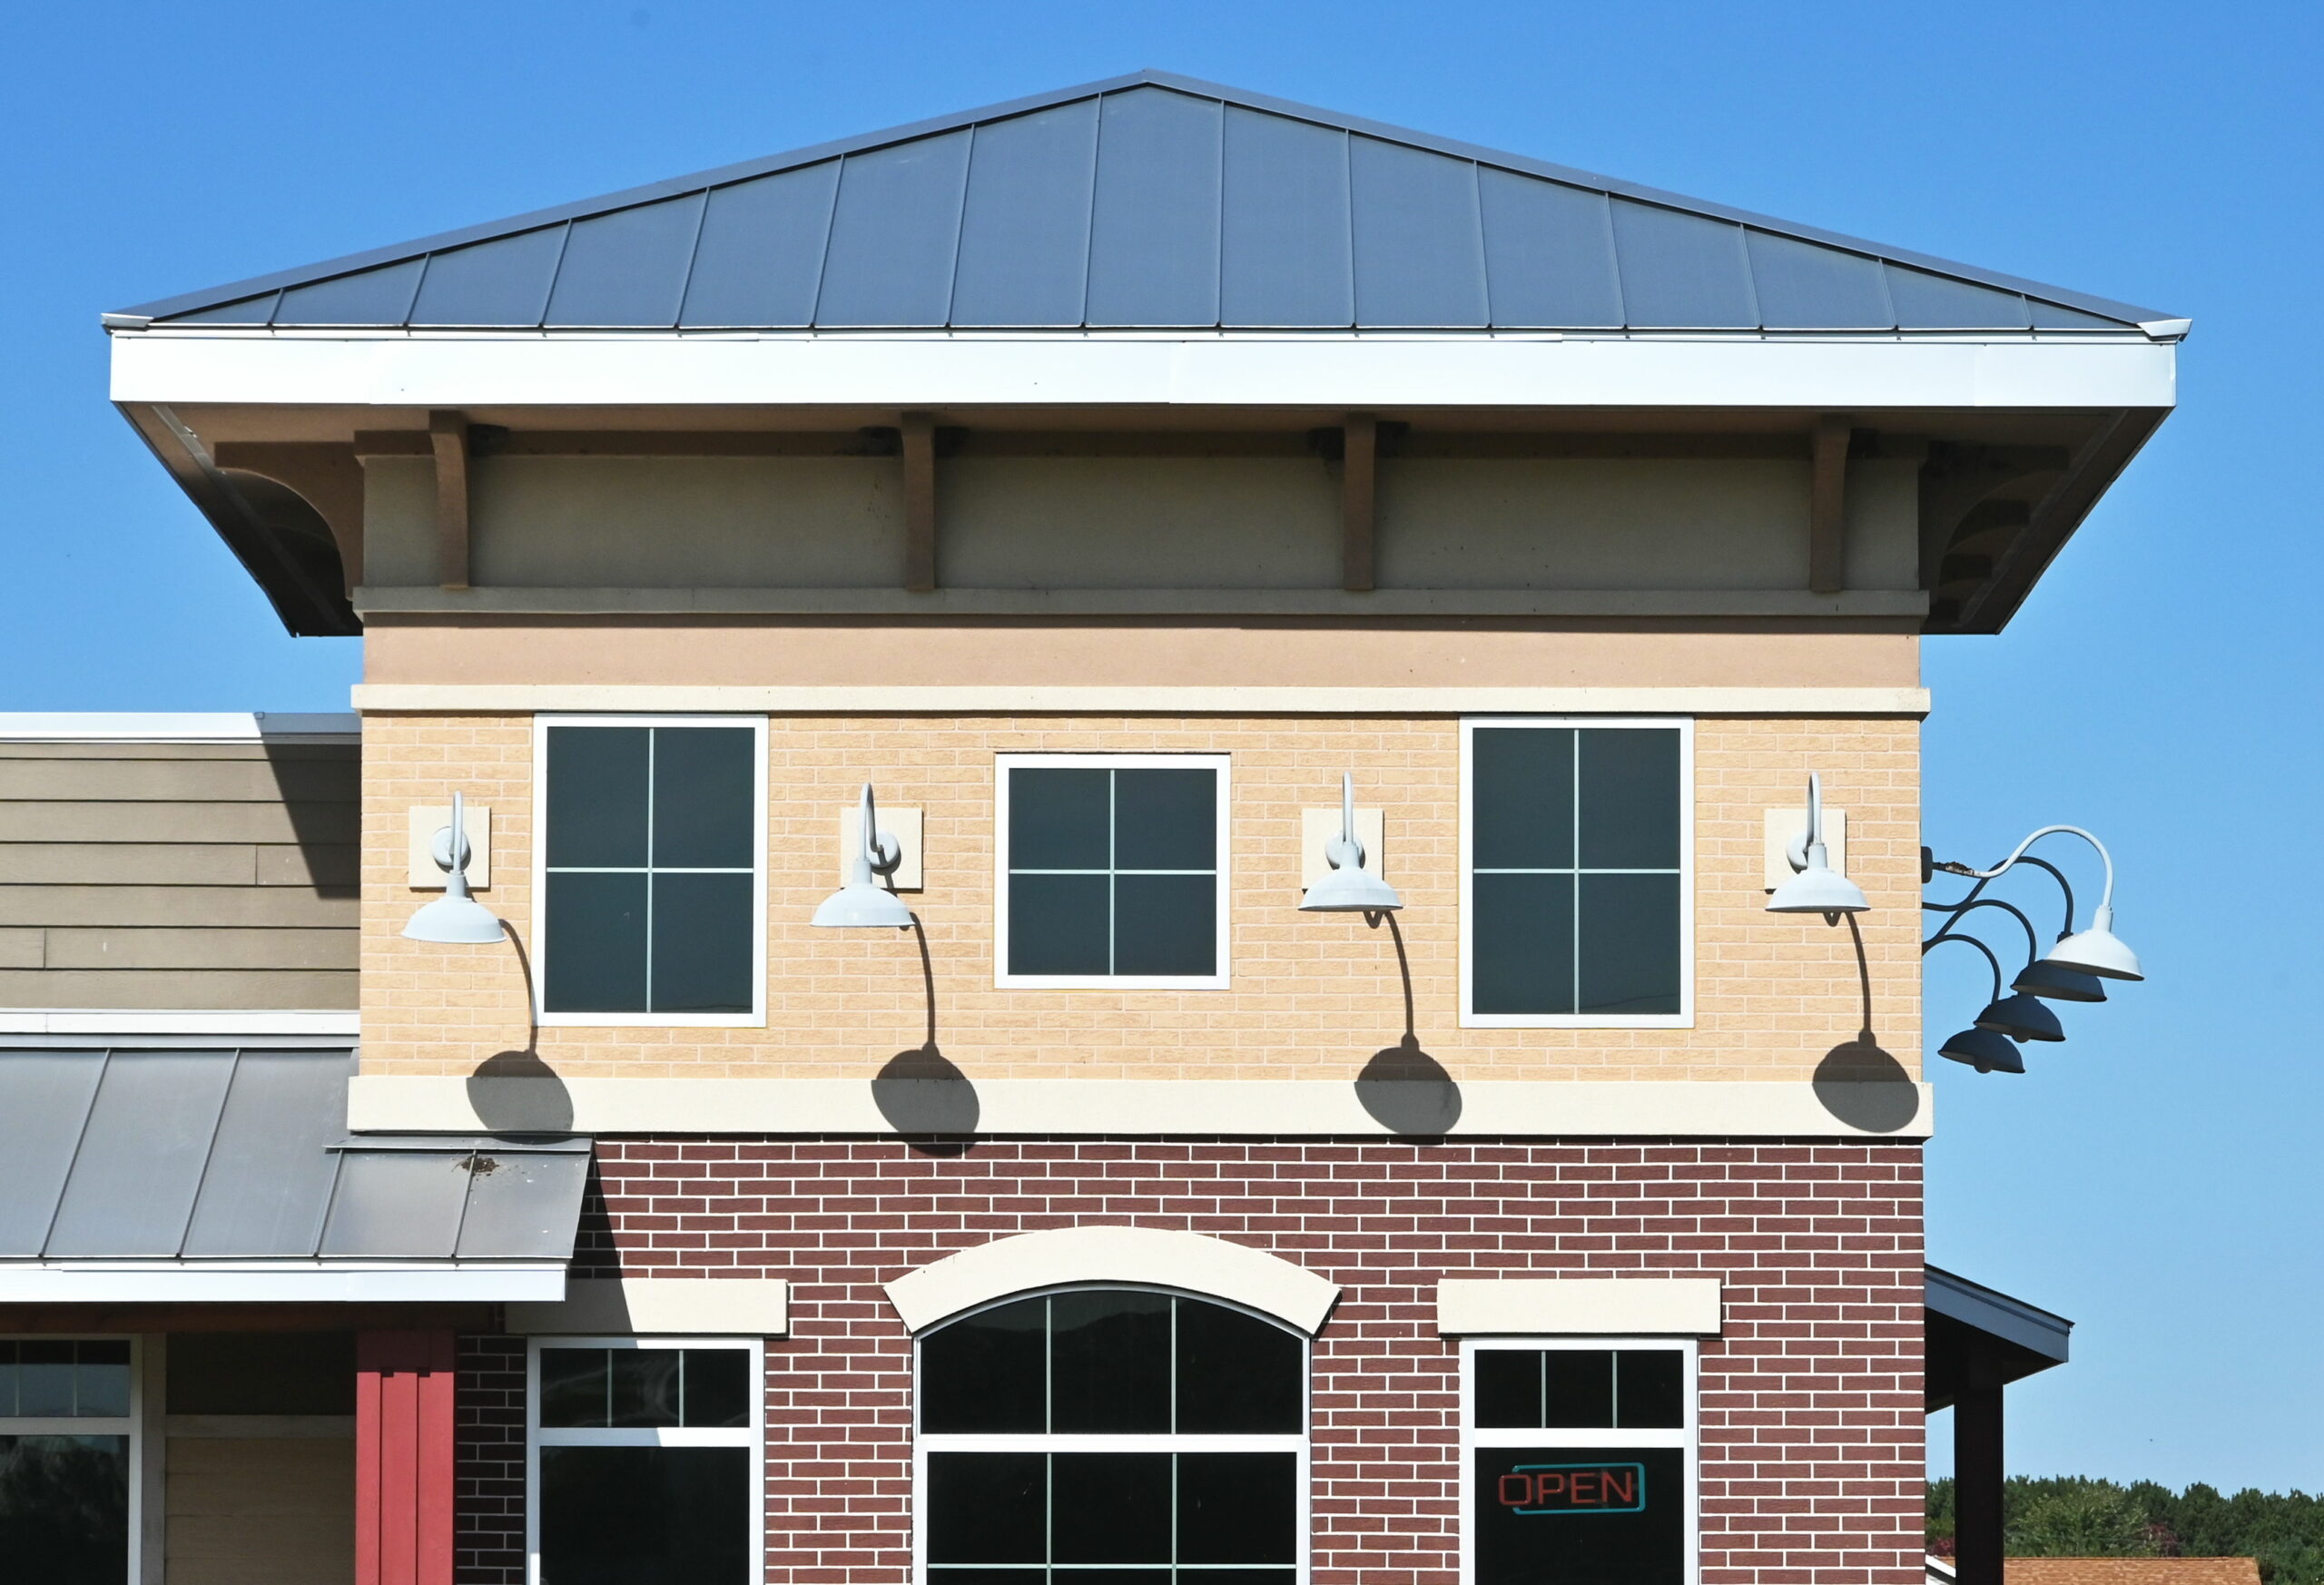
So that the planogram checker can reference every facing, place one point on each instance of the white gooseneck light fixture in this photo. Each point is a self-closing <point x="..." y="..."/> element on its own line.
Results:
<point x="864" y="904"/>
<point x="1818" y="888"/>
<point x="2098" y="950"/>
<point x="457" y="918"/>
<point x="1350" y="888"/>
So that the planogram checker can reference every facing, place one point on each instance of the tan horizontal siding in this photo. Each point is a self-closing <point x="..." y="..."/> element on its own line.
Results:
<point x="224" y="990"/>
<point x="178" y="822"/>
<point x="173" y="781"/>
<point x="155" y="876"/>
<point x="226" y="907"/>
<point x="200" y="948"/>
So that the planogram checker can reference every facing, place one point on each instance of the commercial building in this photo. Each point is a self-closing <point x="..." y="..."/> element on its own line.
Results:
<point x="1099" y="479"/>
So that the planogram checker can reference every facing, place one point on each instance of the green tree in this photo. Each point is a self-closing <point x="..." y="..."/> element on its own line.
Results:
<point x="2077" y="1519"/>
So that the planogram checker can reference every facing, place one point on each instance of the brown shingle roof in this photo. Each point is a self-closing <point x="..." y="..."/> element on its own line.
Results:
<point x="2131" y="1571"/>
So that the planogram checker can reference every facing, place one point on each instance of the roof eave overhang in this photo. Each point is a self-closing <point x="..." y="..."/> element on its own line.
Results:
<point x="325" y="1281"/>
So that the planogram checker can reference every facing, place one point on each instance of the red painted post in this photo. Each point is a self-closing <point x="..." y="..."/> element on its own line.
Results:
<point x="403" y="1458"/>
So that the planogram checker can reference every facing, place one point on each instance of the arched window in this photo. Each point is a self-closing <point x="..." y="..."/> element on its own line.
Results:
<point x="1112" y="1436"/>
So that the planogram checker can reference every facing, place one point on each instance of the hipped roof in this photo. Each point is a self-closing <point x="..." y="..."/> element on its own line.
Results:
<point x="1150" y="202"/>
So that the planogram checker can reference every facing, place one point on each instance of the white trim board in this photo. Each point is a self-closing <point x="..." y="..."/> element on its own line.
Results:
<point x="525" y="698"/>
<point x="1339" y="371"/>
<point x="314" y="1282"/>
<point x="693" y="1306"/>
<point x="1578" y="1306"/>
<point x="52" y="1020"/>
<point x="1544" y="1109"/>
<point x="1154" y="1256"/>
<point x="173" y="726"/>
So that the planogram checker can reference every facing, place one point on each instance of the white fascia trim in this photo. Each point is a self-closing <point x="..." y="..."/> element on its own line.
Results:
<point x="676" y="1306"/>
<point x="1154" y="1256"/>
<point x="388" y="1103"/>
<point x="315" y="1282"/>
<point x="1578" y="1306"/>
<point x="1335" y="371"/>
<point x="172" y="727"/>
<point x="97" y="1021"/>
<point x="526" y="698"/>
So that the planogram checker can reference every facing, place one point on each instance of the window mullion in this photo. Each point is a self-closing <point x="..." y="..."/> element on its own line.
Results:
<point x="653" y="741"/>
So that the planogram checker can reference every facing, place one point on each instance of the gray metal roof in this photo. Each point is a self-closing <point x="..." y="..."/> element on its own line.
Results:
<point x="240" y="1152"/>
<point x="1150" y="200"/>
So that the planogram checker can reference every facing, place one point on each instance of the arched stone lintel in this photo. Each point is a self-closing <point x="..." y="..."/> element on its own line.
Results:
<point x="1156" y="1256"/>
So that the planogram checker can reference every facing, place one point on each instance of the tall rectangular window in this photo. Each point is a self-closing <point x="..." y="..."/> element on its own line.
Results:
<point x="652" y="869"/>
<point x="1581" y="1461"/>
<point x="645" y="1462"/>
<point x="1575" y="838"/>
<point x="68" y="1476"/>
<point x="1112" y="870"/>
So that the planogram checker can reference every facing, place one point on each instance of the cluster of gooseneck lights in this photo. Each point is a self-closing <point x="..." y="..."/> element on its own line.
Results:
<point x="457" y="918"/>
<point x="2075" y="969"/>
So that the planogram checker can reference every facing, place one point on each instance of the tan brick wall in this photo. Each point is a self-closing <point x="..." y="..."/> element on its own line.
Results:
<point x="1313" y="996"/>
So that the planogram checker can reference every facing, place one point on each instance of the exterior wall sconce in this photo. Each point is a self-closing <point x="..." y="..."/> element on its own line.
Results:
<point x="455" y="918"/>
<point x="1350" y="888"/>
<point x="2075" y="970"/>
<point x="1818" y="888"/>
<point x="864" y="904"/>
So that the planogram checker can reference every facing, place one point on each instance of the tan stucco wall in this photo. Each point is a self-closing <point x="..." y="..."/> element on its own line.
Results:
<point x="1021" y="523"/>
<point x="1313" y="996"/>
<point x="864" y="652"/>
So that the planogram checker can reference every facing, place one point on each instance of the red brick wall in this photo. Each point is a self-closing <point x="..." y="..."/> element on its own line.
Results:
<point x="1811" y="1408"/>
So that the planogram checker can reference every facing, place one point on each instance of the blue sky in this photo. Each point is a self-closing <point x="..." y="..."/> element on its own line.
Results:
<point x="2155" y="1177"/>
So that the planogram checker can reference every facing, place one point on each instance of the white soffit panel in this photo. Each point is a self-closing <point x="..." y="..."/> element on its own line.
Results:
<point x="1334" y="372"/>
<point x="278" y="1281"/>
<point x="678" y="1306"/>
<point x="1577" y="1306"/>
<point x="1151" y="1255"/>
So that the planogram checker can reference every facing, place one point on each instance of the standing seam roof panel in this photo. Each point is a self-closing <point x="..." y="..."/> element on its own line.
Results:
<point x="271" y="1174"/>
<point x="760" y="258"/>
<point x="1682" y="271"/>
<point x="1801" y="287"/>
<point x="1418" y="237"/>
<point x="141" y="1163"/>
<point x="1025" y="225"/>
<point x="1939" y="302"/>
<point x="1155" y="215"/>
<point x="1285" y="254"/>
<point x="628" y="268"/>
<point x="895" y="234"/>
<point x="500" y="283"/>
<point x="1548" y="253"/>
<point x="48" y="1095"/>
<point x="371" y="297"/>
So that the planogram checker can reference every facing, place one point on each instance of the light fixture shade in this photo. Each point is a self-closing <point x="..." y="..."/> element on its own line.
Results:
<point x="862" y="904"/>
<point x="455" y="918"/>
<point x="1818" y="889"/>
<point x="2097" y="950"/>
<point x="2046" y="978"/>
<point x="1983" y="1050"/>
<point x="2022" y="1018"/>
<point x="1350" y="891"/>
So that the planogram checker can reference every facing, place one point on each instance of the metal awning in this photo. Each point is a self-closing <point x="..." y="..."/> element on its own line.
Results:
<point x="200" y="1172"/>
<point x="1973" y="1331"/>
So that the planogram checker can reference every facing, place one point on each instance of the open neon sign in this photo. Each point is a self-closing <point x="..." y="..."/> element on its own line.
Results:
<point x="1535" y="1488"/>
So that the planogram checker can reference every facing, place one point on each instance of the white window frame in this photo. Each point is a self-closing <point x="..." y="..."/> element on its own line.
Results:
<point x="1684" y="1019"/>
<point x="1686" y="1439"/>
<point x="1295" y="1442"/>
<point x="131" y="1425"/>
<point x="752" y="1435"/>
<point x="1221" y="764"/>
<point x="756" y="1017"/>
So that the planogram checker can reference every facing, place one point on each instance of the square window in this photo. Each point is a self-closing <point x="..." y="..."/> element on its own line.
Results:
<point x="1581" y="1461"/>
<point x="1112" y="870"/>
<point x="645" y="1463"/>
<point x="1576" y="838"/>
<point x="651" y="870"/>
